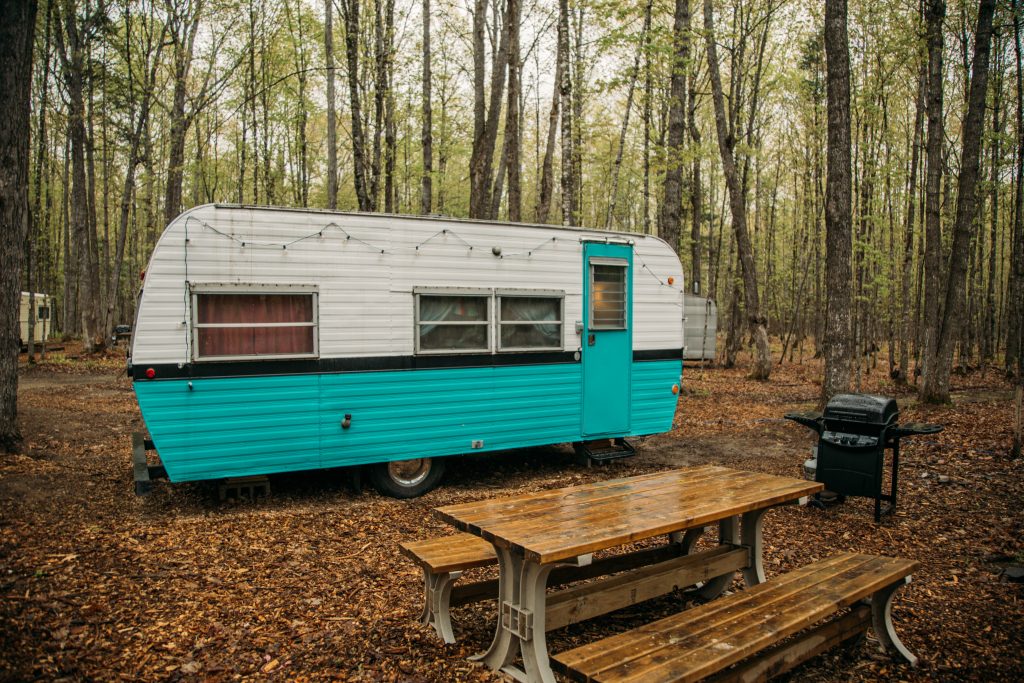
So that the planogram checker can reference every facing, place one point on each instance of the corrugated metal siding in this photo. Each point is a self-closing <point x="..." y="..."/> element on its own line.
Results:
<point x="653" y="403"/>
<point x="261" y="425"/>
<point x="398" y="415"/>
<point x="233" y="427"/>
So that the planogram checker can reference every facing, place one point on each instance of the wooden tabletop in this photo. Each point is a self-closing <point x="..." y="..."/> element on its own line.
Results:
<point x="563" y="523"/>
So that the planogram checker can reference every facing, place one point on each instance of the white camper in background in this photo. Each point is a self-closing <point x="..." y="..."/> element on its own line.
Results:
<point x="700" y="326"/>
<point x="43" y="324"/>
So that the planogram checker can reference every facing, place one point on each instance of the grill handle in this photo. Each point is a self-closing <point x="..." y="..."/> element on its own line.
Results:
<point x="811" y="420"/>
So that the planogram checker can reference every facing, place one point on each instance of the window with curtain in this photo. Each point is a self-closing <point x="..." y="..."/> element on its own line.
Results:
<point x="244" y="325"/>
<point x="529" y="322"/>
<point x="607" y="296"/>
<point x="452" y="323"/>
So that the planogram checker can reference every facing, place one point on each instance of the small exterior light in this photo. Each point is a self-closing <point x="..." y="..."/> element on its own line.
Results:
<point x="671" y="280"/>
<point x="675" y="388"/>
<point x="150" y="373"/>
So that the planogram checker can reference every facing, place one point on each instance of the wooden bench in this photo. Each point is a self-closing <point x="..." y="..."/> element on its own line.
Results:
<point x="628" y="578"/>
<point x="708" y="639"/>
<point x="443" y="560"/>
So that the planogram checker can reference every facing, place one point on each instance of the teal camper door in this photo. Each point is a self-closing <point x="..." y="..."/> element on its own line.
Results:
<point x="607" y="338"/>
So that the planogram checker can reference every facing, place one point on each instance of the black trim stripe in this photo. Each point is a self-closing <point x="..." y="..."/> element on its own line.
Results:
<point x="658" y="354"/>
<point x="266" y="367"/>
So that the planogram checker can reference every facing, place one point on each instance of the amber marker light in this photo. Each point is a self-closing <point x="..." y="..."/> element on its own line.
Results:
<point x="671" y="280"/>
<point x="675" y="388"/>
<point x="151" y="373"/>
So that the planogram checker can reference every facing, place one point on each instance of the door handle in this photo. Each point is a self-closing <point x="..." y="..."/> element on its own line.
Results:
<point x="591" y="339"/>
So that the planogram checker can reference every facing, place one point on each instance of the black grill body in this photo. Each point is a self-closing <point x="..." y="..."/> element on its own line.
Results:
<point x="851" y="450"/>
<point x="854" y="432"/>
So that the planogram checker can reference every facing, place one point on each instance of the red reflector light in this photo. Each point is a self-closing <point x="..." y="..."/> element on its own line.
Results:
<point x="150" y="373"/>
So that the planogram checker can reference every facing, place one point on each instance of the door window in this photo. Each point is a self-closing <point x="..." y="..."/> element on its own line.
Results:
<point x="608" y="294"/>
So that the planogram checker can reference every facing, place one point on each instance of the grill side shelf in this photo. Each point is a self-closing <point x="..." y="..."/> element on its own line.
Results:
<point x="811" y="419"/>
<point x="914" y="429"/>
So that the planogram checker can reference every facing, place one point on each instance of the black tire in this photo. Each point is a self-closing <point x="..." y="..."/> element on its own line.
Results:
<point x="407" y="478"/>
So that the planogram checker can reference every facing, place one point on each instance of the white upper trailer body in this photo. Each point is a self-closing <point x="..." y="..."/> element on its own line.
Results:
<point x="270" y="340"/>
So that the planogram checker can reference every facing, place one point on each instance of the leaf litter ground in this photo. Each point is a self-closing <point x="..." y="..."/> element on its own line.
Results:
<point x="96" y="584"/>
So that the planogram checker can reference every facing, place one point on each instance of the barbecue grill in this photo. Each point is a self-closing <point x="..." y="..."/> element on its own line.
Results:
<point x="853" y="433"/>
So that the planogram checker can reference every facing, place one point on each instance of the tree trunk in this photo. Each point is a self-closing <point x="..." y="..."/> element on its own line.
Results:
<point x="565" y="90"/>
<point x="482" y="156"/>
<point x="70" y="40"/>
<point x="648" y="103"/>
<point x="935" y="388"/>
<point x="1015" y="297"/>
<point x="907" y="329"/>
<point x="512" y="143"/>
<point x="737" y="204"/>
<point x="427" y="136"/>
<point x="134" y="159"/>
<point x="695" y="182"/>
<point x="35" y="216"/>
<point x="388" y="100"/>
<point x="617" y="164"/>
<point x="547" y="176"/>
<point x="988" y="321"/>
<point x="670" y="225"/>
<point x="935" y="13"/>
<point x="17" y="31"/>
<point x="578" y="90"/>
<point x="184" y="44"/>
<point x="332" y="117"/>
<point x="350" y="15"/>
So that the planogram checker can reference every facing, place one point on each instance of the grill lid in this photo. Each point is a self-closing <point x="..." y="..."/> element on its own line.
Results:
<point x="862" y="408"/>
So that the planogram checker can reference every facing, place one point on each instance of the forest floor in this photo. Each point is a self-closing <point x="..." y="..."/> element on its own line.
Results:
<point x="97" y="584"/>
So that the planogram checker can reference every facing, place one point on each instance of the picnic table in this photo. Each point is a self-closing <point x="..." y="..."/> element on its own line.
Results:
<point x="538" y="533"/>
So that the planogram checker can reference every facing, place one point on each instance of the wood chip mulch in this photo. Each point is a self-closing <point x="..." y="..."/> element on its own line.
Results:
<point x="97" y="584"/>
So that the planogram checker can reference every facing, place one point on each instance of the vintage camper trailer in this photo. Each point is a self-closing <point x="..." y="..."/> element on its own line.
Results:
<point x="271" y="340"/>
<point x="43" y="324"/>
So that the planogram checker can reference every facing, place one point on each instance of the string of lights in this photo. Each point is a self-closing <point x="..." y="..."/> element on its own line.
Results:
<point x="443" y="233"/>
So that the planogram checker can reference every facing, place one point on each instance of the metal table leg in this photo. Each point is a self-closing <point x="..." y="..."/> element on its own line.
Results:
<point x="522" y="608"/>
<point x="750" y="536"/>
<point x="728" y="534"/>
<point x="881" y="618"/>
<point x="437" y="590"/>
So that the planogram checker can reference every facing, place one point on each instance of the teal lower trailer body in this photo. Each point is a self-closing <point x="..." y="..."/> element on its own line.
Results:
<point x="220" y="427"/>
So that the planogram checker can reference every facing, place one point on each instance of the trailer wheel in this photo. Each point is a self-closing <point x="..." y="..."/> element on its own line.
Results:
<point x="407" y="478"/>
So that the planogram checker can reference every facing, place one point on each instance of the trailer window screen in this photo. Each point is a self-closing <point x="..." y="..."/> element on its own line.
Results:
<point x="43" y="313"/>
<point x="254" y="325"/>
<point x="608" y="296"/>
<point x="529" y="322"/>
<point x="453" y="323"/>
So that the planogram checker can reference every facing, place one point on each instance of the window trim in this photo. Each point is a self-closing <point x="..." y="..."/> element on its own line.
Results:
<point x="257" y="289"/>
<point x="528" y="294"/>
<point x="488" y="322"/>
<point x="618" y="263"/>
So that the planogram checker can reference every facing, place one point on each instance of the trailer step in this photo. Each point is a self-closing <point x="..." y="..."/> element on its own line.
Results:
<point x="247" y="488"/>
<point x="603" y="450"/>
